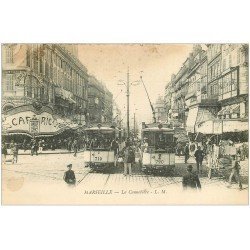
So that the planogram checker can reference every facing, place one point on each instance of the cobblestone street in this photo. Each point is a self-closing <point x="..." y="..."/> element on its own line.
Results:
<point x="43" y="174"/>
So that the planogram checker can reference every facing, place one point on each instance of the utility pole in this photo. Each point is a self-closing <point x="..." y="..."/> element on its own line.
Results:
<point x="127" y="83"/>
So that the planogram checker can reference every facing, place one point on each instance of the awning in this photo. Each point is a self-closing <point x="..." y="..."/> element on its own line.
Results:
<point x="191" y="119"/>
<point x="190" y="94"/>
<point x="65" y="94"/>
<point x="235" y="109"/>
<point x="227" y="110"/>
<point x="204" y="122"/>
<point x="221" y="112"/>
<point x="203" y="116"/>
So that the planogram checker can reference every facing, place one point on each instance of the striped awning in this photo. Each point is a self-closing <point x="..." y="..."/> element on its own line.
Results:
<point x="233" y="109"/>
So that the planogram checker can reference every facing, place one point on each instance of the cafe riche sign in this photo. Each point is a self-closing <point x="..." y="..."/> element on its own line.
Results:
<point x="28" y="120"/>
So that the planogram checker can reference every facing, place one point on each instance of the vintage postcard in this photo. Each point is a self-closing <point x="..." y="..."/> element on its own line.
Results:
<point x="133" y="124"/>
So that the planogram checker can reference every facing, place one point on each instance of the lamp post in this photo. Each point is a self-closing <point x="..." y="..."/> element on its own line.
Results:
<point x="127" y="84"/>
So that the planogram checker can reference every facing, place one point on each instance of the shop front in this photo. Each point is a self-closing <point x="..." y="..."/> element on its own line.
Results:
<point x="32" y="122"/>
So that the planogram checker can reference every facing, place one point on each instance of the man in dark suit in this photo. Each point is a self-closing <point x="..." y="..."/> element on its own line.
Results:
<point x="69" y="176"/>
<point x="190" y="180"/>
<point x="199" y="155"/>
<point x="186" y="152"/>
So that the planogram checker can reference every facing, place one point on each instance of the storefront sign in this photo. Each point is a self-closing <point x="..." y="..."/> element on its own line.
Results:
<point x="31" y="123"/>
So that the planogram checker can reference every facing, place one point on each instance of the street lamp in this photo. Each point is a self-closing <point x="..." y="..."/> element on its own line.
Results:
<point x="127" y="84"/>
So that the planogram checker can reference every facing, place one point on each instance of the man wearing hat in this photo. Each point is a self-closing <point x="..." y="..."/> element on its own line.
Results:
<point x="129" y="159"/>
<point x="69" y="176"/>
<point x="235" y="171"/>
<point x="191" y="180"/>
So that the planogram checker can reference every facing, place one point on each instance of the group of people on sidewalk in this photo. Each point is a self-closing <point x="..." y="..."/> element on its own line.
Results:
<point x="208" y="152"/>
<point x="14" y="147"/>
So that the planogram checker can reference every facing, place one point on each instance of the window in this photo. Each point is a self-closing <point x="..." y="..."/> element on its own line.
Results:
<point x="9" y="82"/>
<point x="9" y="54"/>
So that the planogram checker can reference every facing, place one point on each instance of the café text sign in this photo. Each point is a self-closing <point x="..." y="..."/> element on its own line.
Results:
<point x="29" y="122"/>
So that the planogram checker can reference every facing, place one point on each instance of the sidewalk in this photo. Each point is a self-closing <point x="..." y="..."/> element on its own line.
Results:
<point x="56" y="151"/>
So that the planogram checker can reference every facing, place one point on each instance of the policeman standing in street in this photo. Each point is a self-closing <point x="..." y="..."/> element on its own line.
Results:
<point x="191" y="180"/>
<point x="69" y="176"/>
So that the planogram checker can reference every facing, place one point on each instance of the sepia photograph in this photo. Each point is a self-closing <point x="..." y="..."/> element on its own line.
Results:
<point x="125" y="124"/>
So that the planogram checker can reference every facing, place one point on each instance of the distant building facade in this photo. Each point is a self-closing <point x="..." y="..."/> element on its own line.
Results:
<point x="46" y="82"/>
<point x="160" y="110"/>
<point x="209" y="94"/>
<point x="100" y="102"/>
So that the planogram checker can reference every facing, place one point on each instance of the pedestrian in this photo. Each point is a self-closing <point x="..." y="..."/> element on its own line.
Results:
<point x="199" y="155"/>
<point x="32" y="145"/>
<point x="115" y="147"/>
<point x="235" y="171"/>
<point x="53" y="145"/>
<point x="129" y="159"/>
<point x="14" y="153"/>
<point x="69" y="144"/>
<point x="40" y="145"/>
<point x="4" y="151"/>
<point x="35" y="147"/>
<point x="178" y="149"/>
<point x="191" y="180"/>
<point x="75" y="147"/>
<point x="186" y="152"/>
<point x="69" y="175"/>
<point x="144" y="147"/>
<point x="24" y="145"/>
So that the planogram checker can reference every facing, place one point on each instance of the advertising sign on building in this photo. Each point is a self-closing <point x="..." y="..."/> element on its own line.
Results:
<point x="31" y="123"/>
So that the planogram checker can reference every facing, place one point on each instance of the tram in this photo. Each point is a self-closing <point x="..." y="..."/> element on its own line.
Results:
<point x="98" y="154"/>
<point x="158" y="149"/>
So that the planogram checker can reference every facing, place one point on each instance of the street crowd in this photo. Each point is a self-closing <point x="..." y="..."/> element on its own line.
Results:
<point x="217" y="155"/>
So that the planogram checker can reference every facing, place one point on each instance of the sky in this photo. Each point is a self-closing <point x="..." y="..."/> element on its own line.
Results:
<point x="155" y="62"/>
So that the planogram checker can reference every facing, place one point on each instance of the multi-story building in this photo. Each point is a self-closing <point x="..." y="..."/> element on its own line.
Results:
<point x="168" y="99"/>
<point x="42" y="81"/>
<point x="229" y="88"/>
<point x="217" y="94"/>
<point x="160" y="110"/>
<point x="107" y="115"/>
<point x="201" y="106"/>
<point x="233" y="88"/>
<point x="47" y="82"/>
<point x="180" y="89"/>
<point x="100" y="102"/>
<point x="96" y="100"/>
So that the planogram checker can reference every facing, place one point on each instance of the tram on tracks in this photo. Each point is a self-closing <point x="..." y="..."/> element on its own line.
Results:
<point x="98" y="154"/>
<point x="158" y="149"/>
